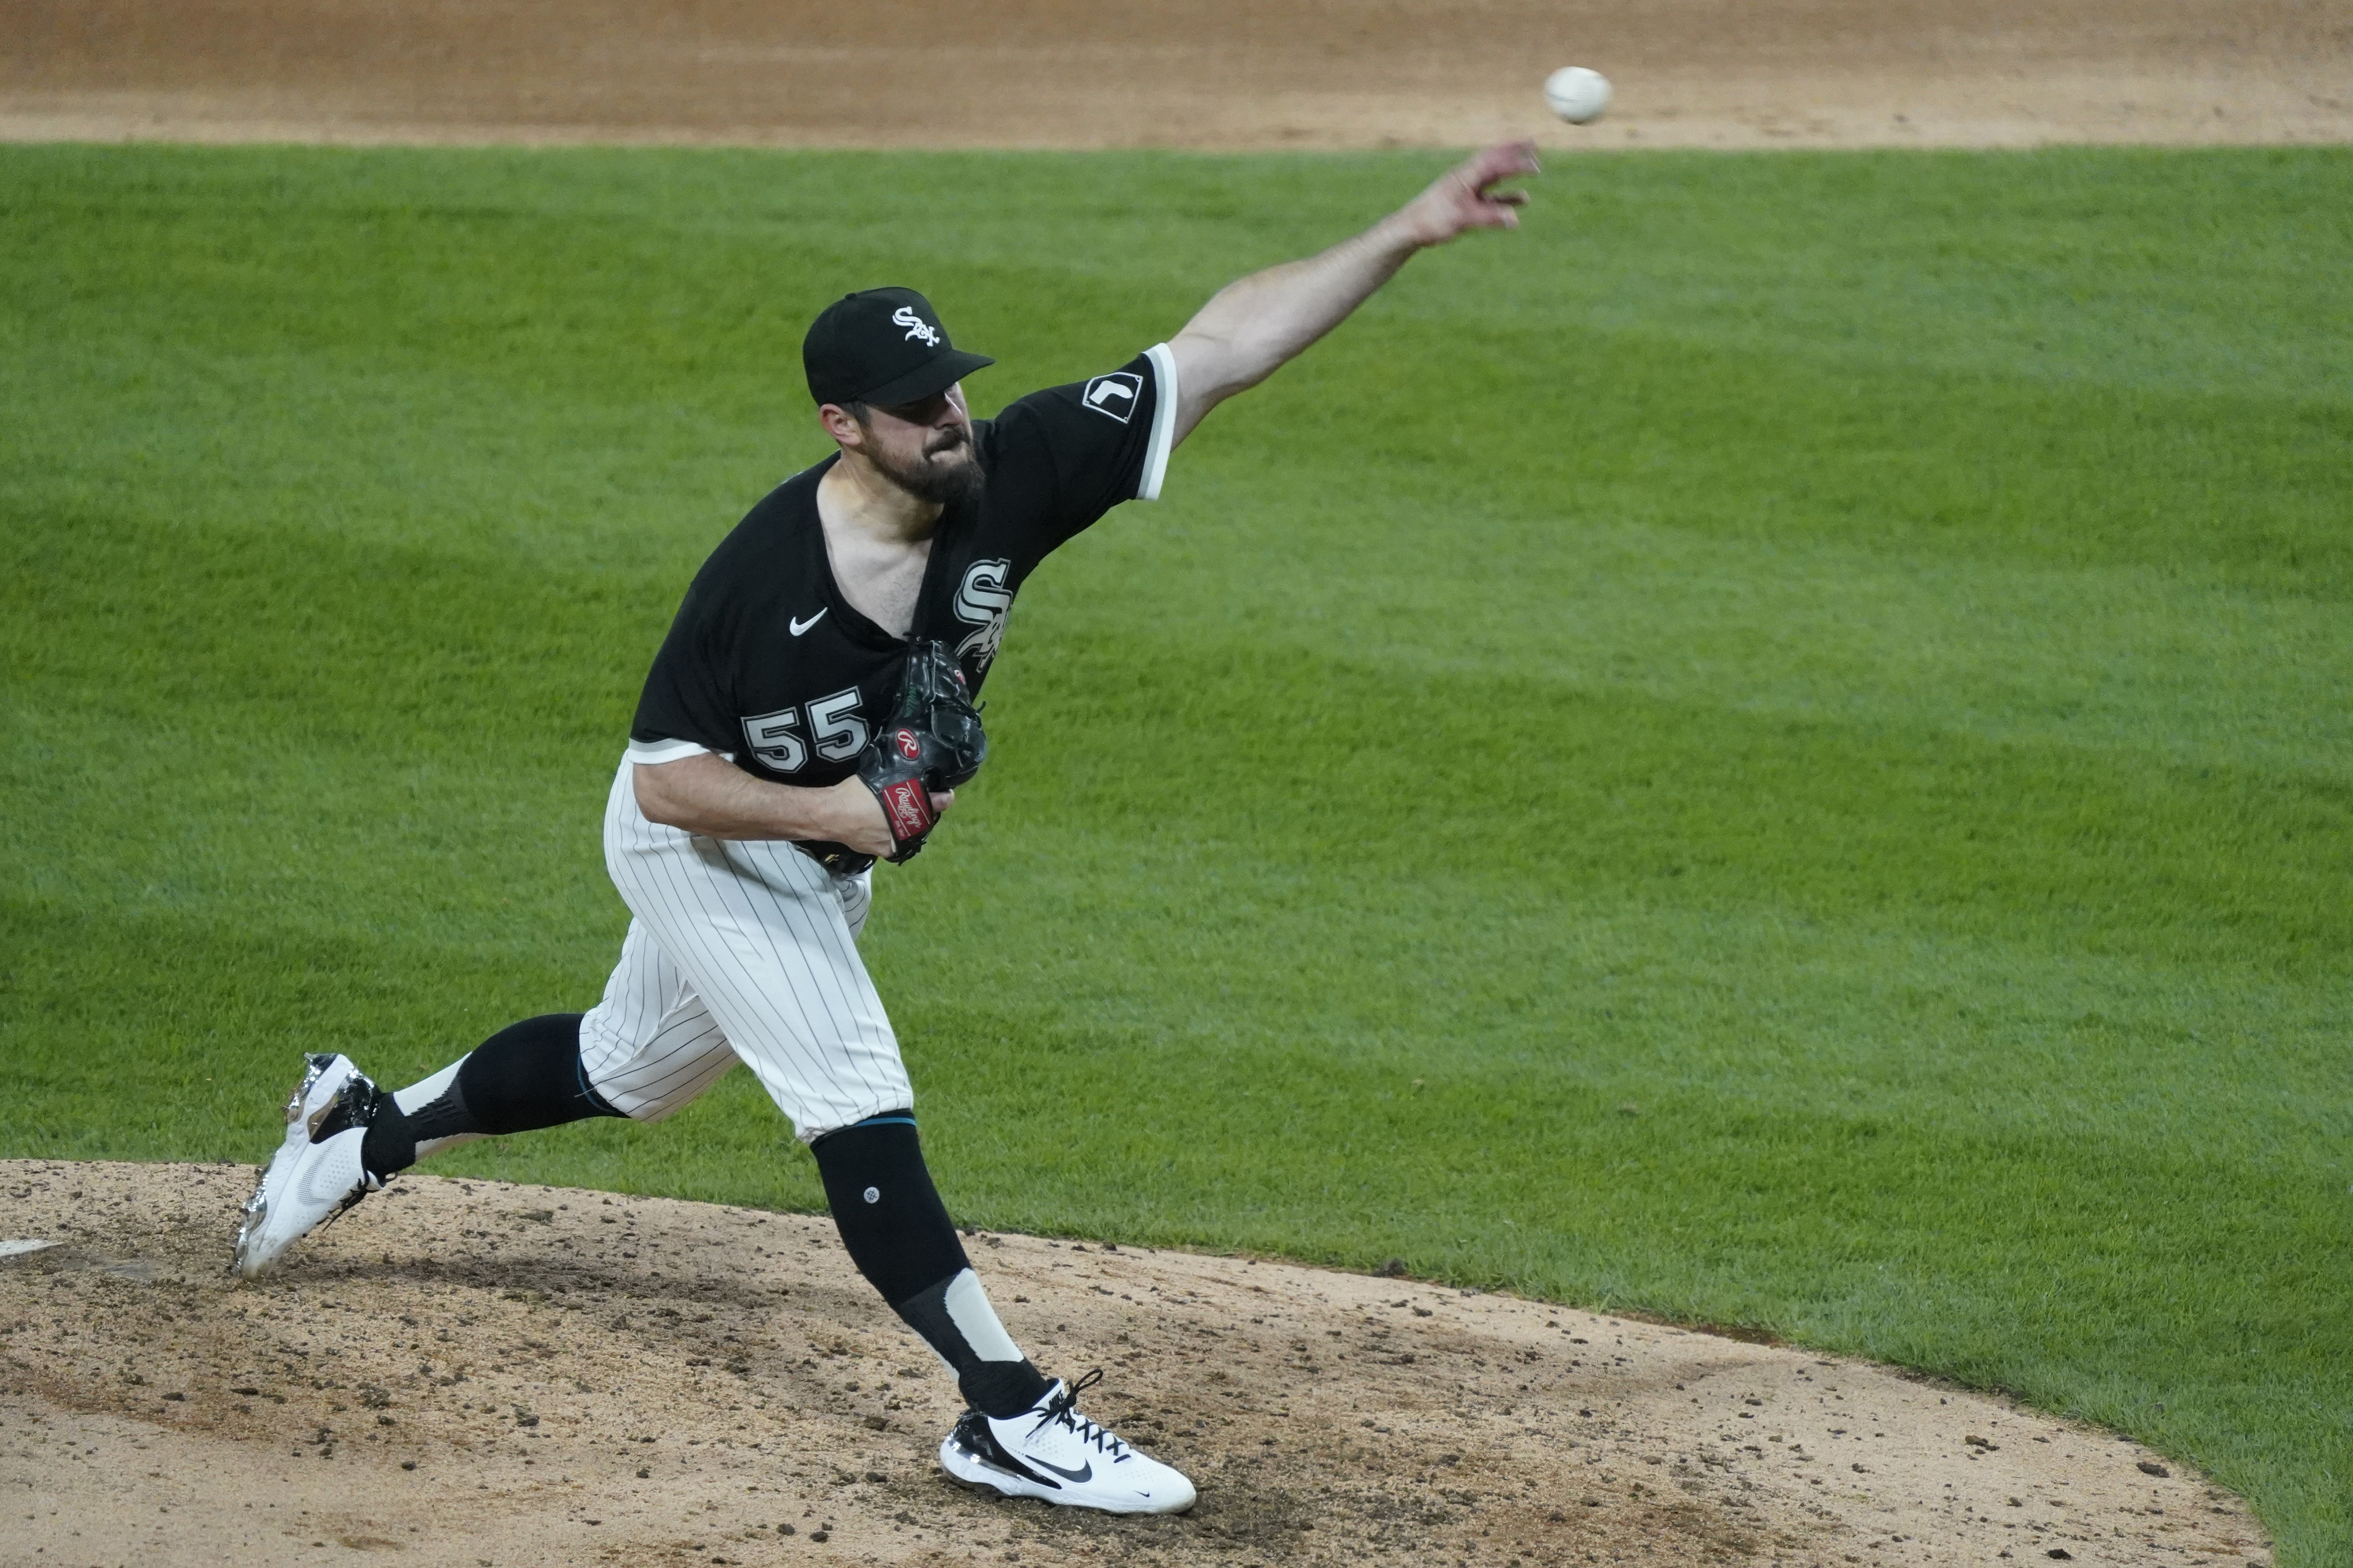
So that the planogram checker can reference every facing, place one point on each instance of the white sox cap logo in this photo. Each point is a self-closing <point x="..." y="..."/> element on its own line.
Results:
<point x="1114" y="394"/>
<point x="916" y="326"/>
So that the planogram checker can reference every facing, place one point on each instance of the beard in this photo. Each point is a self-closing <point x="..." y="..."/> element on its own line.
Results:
<point x="948" y="471"/>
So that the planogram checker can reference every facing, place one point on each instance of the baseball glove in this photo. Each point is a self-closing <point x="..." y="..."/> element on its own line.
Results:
<point x="933" y="741"/>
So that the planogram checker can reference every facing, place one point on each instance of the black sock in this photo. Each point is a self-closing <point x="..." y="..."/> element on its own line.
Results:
<point x="899" y="1235"/>
<point x="525" y="1076"/>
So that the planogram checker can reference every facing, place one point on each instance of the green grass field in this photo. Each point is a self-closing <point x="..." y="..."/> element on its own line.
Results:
<point x="1772" y="750"/>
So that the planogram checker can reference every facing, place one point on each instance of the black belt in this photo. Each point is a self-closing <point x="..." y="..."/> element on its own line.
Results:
<point x="839" y="858"/>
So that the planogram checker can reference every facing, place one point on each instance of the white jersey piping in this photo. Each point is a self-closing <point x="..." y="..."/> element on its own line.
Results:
<point x="1164" y="421"/>
<point x="653" y="753"/>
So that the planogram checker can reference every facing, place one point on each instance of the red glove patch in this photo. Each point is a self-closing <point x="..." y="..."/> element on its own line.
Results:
<point x="908" y="805"/>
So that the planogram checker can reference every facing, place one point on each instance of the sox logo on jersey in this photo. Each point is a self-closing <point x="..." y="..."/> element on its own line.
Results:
<point x="983" y="600"/>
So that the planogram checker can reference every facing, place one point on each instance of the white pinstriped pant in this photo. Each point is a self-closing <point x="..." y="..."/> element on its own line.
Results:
<point x="737" y="950"/>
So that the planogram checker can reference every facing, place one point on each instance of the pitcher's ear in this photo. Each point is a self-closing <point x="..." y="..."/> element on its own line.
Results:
<point x="847" y="423"/>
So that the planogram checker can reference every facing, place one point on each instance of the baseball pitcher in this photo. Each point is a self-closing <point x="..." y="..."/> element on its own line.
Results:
<point x="810" y="712"/>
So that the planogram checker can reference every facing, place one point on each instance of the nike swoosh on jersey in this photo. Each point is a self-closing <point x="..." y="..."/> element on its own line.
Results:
<point x="1084" y="1473"/>
<point x="799" y="626"/>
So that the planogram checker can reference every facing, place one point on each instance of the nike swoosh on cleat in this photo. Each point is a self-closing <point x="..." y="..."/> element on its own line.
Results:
<point x="799" y="626"/>
<point x="1084" y="1474"/>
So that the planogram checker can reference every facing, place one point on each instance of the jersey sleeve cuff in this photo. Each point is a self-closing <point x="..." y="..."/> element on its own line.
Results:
<point x="653" y="753"/>
<point x="1164" y="421"/>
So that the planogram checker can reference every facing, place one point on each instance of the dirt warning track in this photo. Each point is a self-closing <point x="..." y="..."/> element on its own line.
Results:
<point x="470" y="1372"/>
<point x="1213" y="74"/>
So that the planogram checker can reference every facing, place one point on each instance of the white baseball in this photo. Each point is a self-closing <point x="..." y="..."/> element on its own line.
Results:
<point x="1577" y="95"/>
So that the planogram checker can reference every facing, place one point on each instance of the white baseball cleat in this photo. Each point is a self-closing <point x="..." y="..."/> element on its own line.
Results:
<point x="316" y="1173"/>
<point x="1053" y="1452"/>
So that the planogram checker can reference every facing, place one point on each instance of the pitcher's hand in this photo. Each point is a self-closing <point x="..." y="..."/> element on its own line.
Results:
<point x="1462" y="198"/>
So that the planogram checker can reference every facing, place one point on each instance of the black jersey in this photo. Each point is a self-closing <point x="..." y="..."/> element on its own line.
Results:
<point x="768" y="665"/>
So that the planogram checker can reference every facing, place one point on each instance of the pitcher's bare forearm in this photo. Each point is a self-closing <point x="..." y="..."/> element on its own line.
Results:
<point x="1252" y="327"/>
<point x="710" y="797"/>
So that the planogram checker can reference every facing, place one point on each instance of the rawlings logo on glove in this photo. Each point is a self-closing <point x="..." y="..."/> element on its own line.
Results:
<point x="933" y="743"/>
<point x="910" y="813"/>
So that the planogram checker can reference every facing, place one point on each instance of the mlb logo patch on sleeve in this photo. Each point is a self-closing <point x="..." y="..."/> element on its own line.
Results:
<point x="1115" y="394"/>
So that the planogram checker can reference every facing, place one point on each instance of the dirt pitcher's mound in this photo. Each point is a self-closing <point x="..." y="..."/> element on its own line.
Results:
<point x="475" y="1373"/>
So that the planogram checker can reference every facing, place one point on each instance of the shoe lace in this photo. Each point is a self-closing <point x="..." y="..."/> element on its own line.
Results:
<point x="1062" y="1410"/>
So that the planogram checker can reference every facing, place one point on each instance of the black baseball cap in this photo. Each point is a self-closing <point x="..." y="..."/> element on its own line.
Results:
<point x="882" y="345"/>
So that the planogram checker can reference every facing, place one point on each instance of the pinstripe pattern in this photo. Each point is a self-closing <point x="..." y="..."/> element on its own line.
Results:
<point x="737" y="950"/>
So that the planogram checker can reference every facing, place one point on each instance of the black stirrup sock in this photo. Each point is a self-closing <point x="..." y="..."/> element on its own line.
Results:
<point x="526" y="1077"/>
<point x="899" y="1235"/>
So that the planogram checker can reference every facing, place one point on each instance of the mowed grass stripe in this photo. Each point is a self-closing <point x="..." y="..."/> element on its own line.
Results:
<point x="1605" y="782"/>
<point x="1768" y="749"/>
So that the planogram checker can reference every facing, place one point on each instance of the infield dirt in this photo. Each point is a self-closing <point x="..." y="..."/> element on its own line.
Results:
<point x="476" y="1374"/>
<point x="1180" y="73"/>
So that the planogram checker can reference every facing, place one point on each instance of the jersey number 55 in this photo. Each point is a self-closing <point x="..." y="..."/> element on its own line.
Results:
<point x="833" y="725"/>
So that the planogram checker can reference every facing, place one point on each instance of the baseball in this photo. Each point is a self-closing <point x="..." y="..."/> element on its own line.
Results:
<point x="1577" y="95"/>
